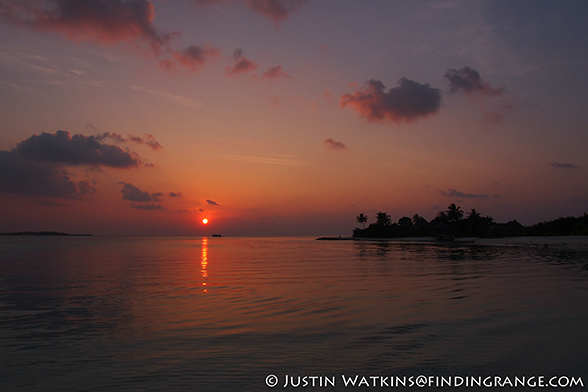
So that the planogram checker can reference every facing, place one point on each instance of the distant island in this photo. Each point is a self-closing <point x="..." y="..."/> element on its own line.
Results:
<point x="454" y="223"/>
<point x="46" y="233"/>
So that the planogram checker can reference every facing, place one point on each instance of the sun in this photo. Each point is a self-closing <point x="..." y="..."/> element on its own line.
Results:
<point x="204" y="221"/>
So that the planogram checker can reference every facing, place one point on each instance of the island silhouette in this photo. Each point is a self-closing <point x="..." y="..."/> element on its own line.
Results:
<point x="453" y="223"/>
<point x="45" y="233"/>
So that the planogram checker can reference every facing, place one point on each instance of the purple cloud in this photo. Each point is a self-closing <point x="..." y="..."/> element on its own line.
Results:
<point x="407" y="102"/>
<point x="468" y="80"/>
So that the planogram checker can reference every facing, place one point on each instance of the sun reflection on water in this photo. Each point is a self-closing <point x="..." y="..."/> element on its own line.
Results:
<point x="204" y="263"/>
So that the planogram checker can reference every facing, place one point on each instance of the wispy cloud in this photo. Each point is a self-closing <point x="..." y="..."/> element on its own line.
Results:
<point x="147" y="139"/>
<point x="461" y="195"/>
<point x="334" y="145"/>
<point x="17" y="87"/>
<point x="180" y="100"/>
<point x="559" y="165"/>
<point x="287" y="161"/>
<point x="191" y="210"/>
<point x="148" y="207"/>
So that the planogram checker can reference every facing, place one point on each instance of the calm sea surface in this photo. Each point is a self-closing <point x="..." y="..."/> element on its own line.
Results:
<point x="221" y="314"/>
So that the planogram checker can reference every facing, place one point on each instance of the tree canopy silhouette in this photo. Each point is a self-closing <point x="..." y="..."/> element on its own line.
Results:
<point x="383" y="219"/>
<point x="454" y="213"/>
<point x="361" y="219"/>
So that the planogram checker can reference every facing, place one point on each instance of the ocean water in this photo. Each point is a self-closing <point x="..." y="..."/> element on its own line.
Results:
<point x="223" y="314"/>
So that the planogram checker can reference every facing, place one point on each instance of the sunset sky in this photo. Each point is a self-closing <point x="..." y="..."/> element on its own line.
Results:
<point x="286" y="117"/>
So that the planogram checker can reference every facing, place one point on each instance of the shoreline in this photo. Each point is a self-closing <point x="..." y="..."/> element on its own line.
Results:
<point x="572" y="242"/>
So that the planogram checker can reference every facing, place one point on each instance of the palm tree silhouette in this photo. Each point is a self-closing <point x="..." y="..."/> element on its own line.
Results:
<point x="383" y="219"/>
<point x="454" y="213"/>
<point x="474" y="215"/>
<point x="442" y="216"/>
<point x="361" y="219"/>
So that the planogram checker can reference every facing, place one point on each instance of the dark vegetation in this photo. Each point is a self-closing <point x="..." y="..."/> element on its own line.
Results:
<point x="561" y="226"/>
<point x="453" y="222"/>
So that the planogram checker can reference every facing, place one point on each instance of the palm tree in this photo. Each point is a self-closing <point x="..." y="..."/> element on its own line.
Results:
<point x="442" y="216"/>
<point x="473" y="214"/>
<point x="361" y="219"/>
<point x="454" y="213"/>
<point x="383" y="219"/>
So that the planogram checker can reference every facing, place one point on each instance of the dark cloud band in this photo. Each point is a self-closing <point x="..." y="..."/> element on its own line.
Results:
<point x="60" y="147"/>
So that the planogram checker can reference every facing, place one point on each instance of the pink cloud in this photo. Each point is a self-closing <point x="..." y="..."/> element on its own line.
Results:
<point x="242" y="64"/>
<point x="192" y="58"/>
<point x="107" y="22"/>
